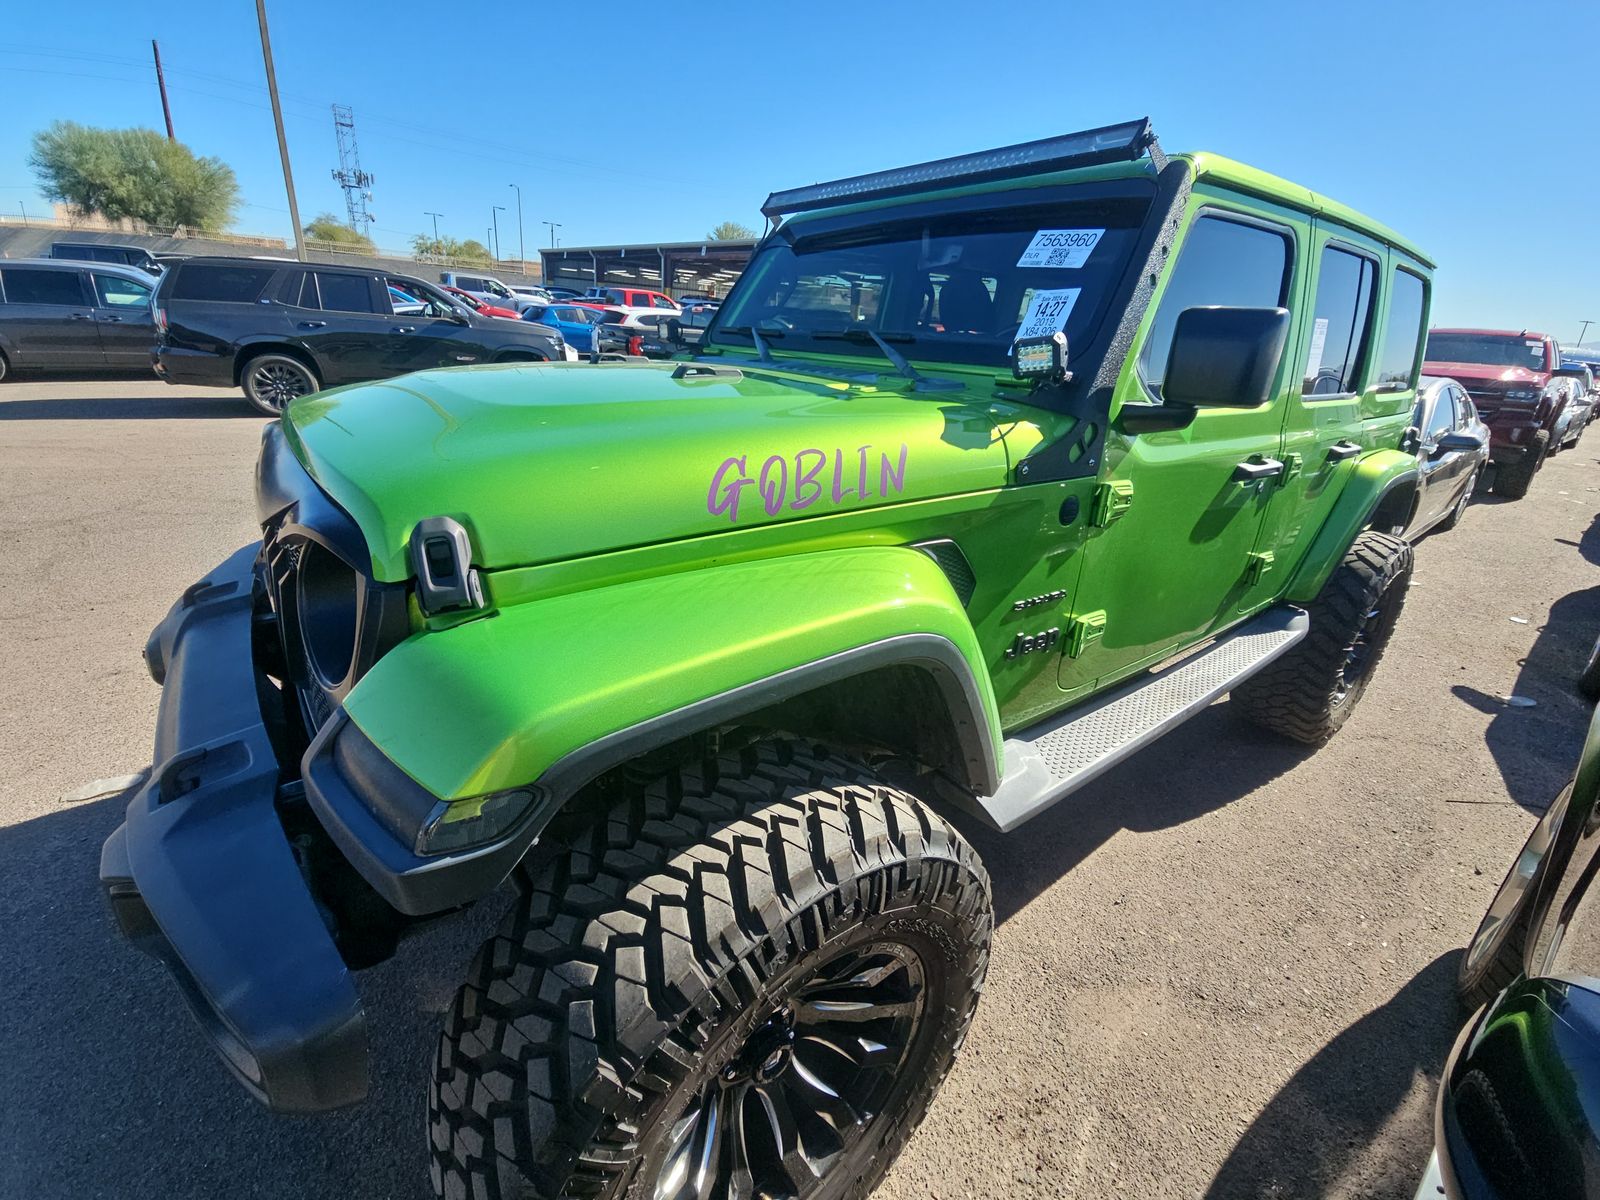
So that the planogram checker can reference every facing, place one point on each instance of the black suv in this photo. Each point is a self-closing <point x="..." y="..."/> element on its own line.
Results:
<point x="285" y="329"/>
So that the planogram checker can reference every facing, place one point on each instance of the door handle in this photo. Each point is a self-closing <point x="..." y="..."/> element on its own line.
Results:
<point x="1251" y="472"/>
<point x="1340" y="451"/>
<point x="83" y="316"/>
<point x="116" y="319"/>
<point x="404" y="329"/>
<point x="313" y="324"/>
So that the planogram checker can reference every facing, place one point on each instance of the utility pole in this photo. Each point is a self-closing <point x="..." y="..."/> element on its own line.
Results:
<point x="435" y="217"/>
<point x="161" y="82"/>
<point x="277" y="120"/>
<point x="494" y="216"/>
<point x="1584" y="331"/>
<point x="553" y="225"/>
<point x="522" y="246"/>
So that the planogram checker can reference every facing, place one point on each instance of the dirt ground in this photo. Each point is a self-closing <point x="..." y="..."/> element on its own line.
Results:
<point x="1223" y="970"/>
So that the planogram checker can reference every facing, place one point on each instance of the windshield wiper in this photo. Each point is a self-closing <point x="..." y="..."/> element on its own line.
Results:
<point x="919" y="382"/>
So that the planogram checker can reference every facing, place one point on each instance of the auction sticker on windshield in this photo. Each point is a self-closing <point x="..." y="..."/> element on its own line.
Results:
<point x="1047" y="312"/>
<point x="1060" y="247"/>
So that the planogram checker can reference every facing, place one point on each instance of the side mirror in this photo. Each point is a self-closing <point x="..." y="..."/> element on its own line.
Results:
<point x="1225" y="357"/>
<point x="1411" y="440"/>
<point x="1458" y="441"/>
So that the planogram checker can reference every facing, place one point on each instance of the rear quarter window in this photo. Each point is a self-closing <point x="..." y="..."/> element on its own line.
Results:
<point x="220" y="284"/>
<point x="25" y="285"/>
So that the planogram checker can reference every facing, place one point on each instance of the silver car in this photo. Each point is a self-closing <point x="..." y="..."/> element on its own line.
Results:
<point x="1452" y="448"/>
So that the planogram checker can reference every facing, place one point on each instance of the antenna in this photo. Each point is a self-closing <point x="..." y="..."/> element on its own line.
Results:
<point x="357" y="184"/>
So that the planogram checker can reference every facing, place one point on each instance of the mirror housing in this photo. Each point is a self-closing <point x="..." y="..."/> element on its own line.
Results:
<point x="1225" y="357"/>
<point x="1455" y="440"/>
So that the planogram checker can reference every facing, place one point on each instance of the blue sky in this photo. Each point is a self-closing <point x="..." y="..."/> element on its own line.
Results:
<point x="1451" y="122"/>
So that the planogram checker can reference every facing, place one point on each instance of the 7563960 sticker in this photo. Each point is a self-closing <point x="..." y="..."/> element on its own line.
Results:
<point x="1060" y="248"/>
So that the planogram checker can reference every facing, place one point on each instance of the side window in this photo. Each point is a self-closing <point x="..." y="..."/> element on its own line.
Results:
<point x="664" y="302"/>
<point x="468" y="284"/>
<point x="345" y="293"/>
<point x="1443" y="419"/>
<point x="117" y="292"/>
<point x="1222" y="262"/>
<point x="206" y="281"/>
<point x="1397" y="361"/>
<point x="24" y="286"/>
<point x="1341" y="322"/>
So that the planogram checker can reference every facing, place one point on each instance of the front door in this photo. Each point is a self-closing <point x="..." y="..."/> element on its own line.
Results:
<point x="126" y="327"/>
<point x="435" y="337"/>
<point x="49" y="319"/>
<point x="1177" y="512"/>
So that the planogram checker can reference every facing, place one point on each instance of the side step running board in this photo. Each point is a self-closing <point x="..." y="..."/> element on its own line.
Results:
<point x="1057" y="757"/>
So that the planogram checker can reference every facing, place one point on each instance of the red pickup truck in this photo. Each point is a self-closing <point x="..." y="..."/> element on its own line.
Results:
<point x="1515" y="379"/>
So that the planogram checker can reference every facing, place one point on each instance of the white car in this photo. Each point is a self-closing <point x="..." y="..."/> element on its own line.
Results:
<point x="526" y="295"/>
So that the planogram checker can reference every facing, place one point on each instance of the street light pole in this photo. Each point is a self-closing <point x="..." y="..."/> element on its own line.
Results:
<point x="522" y="246"/>
<point x="554" y="225"/>
<point x="1584" y="332"/>
<point x="494" y="216"/>
<point x="435" y="217"/>
<point x="277" y="120"/>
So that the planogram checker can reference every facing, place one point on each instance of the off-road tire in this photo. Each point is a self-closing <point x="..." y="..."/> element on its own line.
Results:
<point x="641" y="961"/>
<point x="1589" y="677"/>
<point x="1308" y="693"/>
<point x="1454" y="517"/>
<point x="1498" y="950"/>
<point x="1514" y="479"/>
<point x="257" y="389"/>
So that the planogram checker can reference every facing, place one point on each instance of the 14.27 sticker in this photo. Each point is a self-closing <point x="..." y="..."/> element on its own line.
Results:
<point x="1047" y="312"/>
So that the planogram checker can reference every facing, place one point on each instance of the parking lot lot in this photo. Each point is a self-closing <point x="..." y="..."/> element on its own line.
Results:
<point x="1223" y="969"/>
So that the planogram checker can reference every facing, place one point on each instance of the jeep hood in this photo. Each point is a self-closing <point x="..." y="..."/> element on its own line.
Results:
<point x="551" y="462"/>
<point x="1483" y="373"/>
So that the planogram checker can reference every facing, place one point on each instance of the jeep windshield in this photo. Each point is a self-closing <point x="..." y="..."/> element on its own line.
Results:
<point x="1486" y="349"/>
<point x="941" y="286"/>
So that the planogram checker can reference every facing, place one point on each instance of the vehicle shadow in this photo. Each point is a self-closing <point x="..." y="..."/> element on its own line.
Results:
<point x="1347" y="1097"/>
<point x="149" y="408"/>
<point x="1536" y="748"/>
<point x="1155" y="789"/>
<point x="113" y="1091"/>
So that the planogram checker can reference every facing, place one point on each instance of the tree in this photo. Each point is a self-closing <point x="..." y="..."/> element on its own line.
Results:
<point x="133" y="173"/>
<point x="730" y="231"/>
<point x="328" y="228"/>
<point x="445" y="246"/>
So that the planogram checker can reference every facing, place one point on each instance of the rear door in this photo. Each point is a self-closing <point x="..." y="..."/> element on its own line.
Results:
<point x="1334" y="357"/>
<point x="49" y="319"/>
<point x="1175" y="517"/>
<point x="341" y="322"/>
<point x="122" y="315"/>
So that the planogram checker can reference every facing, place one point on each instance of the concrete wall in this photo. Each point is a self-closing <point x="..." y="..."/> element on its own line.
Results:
<point x="33" y="241"/>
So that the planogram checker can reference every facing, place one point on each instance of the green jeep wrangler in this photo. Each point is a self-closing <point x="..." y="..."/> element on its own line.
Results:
<point x="989" y="472"/>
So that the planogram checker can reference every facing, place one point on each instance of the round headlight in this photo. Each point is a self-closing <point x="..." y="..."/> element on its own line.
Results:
<point x="326" y="606"/>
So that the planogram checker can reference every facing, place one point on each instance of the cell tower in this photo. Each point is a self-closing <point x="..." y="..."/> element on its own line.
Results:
<point x="357" y="184"/>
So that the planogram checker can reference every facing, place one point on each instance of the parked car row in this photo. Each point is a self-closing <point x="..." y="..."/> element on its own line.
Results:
<point x="1533" y="403"/>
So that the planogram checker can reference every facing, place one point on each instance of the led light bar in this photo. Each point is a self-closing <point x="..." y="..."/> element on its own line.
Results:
<point x="1111" y="143"/>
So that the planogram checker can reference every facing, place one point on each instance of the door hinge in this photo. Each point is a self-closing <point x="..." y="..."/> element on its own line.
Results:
<point x="1084" y="629"/>
<point x="1257" y="565"/>
<point x="1111" y="500"/>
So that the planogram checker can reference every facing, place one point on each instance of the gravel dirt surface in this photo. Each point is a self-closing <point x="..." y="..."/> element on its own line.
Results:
<point x="1223" y="970"/>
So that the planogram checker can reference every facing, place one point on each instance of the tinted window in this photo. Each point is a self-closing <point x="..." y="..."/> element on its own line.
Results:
<point x="1222" y="262"/>
<point x="468" y="284"/>
<point x="537" y="312"/>
<point x="345" y="293"/>
<point x="663" y="302"/>
<point x="1341" y="322"/>
<point x="1403" y="330"/>
<point x="24" y="286"/>
<point x="117" y="292"/>
<point x="1443" y="419"/>
<point x="218" y="282"/>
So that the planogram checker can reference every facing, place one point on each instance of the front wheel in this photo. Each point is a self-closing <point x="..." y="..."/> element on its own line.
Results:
<point x="747" y="978"/>
<point x="1454" y="519"/>
<point x="273" y="381"/>
<point x="1309" y="693"/>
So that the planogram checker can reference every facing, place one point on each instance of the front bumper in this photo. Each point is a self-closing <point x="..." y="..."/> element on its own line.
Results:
<point x="202" y="875"/>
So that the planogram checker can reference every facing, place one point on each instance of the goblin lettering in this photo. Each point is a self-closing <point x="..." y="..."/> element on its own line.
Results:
<point x="795" y="484"/>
